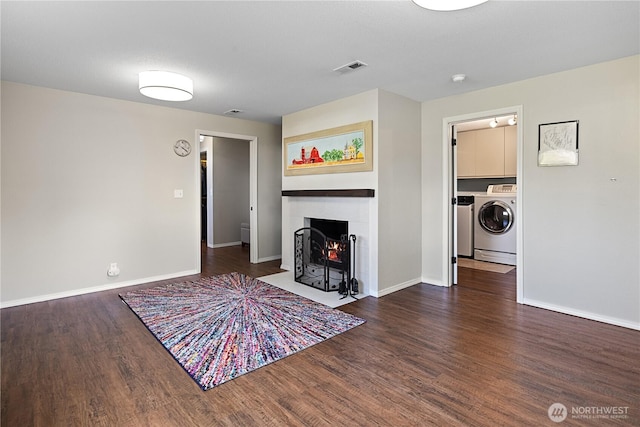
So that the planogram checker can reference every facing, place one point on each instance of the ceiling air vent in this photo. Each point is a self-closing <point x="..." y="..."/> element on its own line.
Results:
<point x="232" y="112"/>
<point x="351" y="66"/>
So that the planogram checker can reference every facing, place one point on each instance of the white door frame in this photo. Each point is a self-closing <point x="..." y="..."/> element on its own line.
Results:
<point x="208" y="151"/>
<point x="448" y="191"/>
<point x="253" y="189"/>
<point x="452" y="134"/>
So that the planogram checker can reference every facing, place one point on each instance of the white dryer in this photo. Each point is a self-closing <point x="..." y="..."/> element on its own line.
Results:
<point x="495" y="225"/>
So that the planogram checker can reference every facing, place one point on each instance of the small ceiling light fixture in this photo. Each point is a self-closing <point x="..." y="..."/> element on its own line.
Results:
<point x="458" y="78"/>
<point x="493" y="123"/>
<point x="447" y="5"/>
<point x="165" y="86"/>
<point x="513" y="120"/>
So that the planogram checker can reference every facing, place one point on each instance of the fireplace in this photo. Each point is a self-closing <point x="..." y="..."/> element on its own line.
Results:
<point x="322" y="254"/>
<point x="357" y="207"/>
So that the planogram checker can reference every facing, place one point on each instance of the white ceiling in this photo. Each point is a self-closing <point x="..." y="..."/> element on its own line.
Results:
<point x="270" y="59"/>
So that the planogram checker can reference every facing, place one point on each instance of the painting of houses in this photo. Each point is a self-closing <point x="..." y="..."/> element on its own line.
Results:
<point x="344" y="149"/>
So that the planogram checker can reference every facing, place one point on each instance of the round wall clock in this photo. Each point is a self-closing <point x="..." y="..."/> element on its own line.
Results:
<point x="182" y="148"/>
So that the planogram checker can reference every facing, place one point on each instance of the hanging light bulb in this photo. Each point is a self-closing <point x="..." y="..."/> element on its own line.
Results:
<point x="513" y="120"/>
<point x="493" y="123"/>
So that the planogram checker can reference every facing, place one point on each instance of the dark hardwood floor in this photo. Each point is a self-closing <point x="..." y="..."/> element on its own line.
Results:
<point x="467" y="355"/>
<point x="498" y="284"/>
<point x="235" y="258"/>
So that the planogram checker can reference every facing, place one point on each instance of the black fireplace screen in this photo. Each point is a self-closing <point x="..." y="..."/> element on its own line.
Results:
<point x="320" y="261"/>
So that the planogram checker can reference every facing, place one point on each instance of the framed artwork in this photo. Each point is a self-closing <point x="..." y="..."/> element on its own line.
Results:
<point x="346" y="148"/>
<point x="558" y="144"/>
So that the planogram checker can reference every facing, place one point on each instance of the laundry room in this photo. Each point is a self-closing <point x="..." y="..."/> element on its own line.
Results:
<point x="486" y="177"/>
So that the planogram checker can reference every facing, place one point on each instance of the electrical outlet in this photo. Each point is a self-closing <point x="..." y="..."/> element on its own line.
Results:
<point x="113" y="270"/>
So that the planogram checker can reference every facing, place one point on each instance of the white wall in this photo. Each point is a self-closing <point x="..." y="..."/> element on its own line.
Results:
<point x="87" y="181"/>
<point x="581" y="228"/>
<point x="230" y="188"/>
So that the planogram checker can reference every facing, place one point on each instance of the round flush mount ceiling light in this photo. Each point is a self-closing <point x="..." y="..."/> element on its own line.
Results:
<point x="447" y="5"/>
<point x="457" y="78"/>
<point x="165" y="86"/>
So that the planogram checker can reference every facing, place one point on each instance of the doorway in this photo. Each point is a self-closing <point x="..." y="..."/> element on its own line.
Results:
<point x="201" y="137"/>
<point x="451" y="128"/>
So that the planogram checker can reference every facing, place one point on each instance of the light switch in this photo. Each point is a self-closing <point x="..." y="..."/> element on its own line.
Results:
<point x="177" y="194"/>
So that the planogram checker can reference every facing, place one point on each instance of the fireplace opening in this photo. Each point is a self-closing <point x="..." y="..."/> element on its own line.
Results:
<point x="322" y="254"/>
<point x="331" y="228"/>
<point x="327" y="243"/>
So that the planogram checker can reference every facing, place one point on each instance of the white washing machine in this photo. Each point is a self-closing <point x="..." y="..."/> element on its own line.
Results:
<point x="495" y="225"/>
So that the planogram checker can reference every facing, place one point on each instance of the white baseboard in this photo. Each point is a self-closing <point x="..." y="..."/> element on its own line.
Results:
<point x="269" y="258"/>
<point x="83" y="291"/>
<point x="285" y="267"/>
<point x="224" y="245"/>
<point x="395" y="288"/>
<point x="583" y="314"/>
<point x="432" y="281"/>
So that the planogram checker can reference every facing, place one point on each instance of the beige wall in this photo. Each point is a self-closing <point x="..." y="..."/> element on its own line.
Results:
<point x="87" y="181"/>
<point x="581" y="225"/>
<point x="399" y="186"/>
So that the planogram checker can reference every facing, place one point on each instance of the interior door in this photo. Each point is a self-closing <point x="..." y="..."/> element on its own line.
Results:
<point x="453" y="208"/>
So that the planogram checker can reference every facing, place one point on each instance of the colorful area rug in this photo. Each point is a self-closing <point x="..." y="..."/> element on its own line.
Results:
<point x="221" y="327"/>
